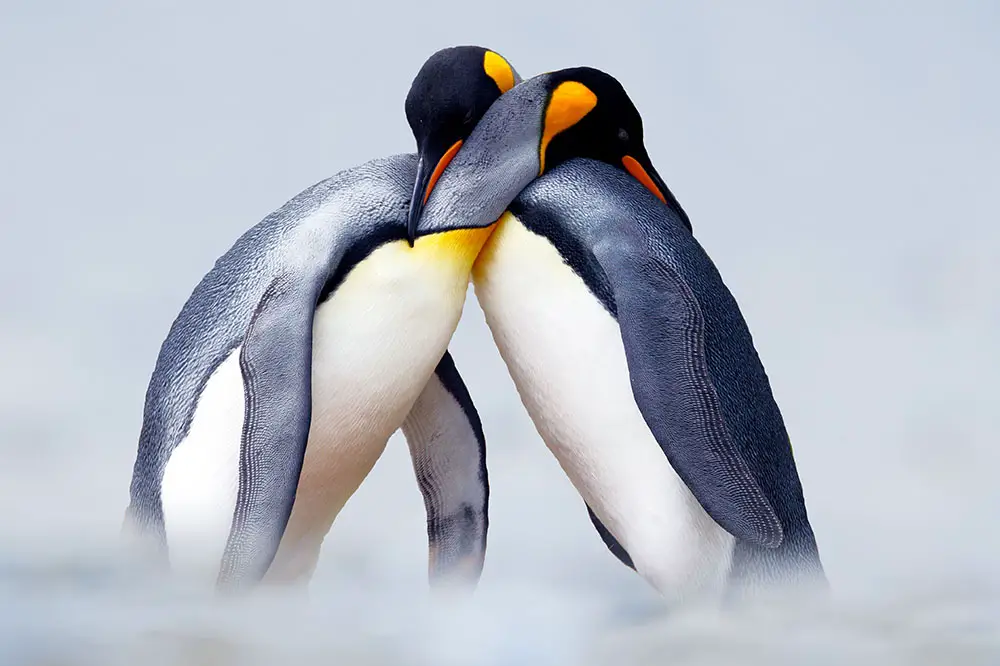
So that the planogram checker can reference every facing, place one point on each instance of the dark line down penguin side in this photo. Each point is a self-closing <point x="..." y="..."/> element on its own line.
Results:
<point x="322" y="331"/>
<point x="628" y="352"/>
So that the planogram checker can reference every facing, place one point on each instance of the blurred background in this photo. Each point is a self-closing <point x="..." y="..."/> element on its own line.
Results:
<point x="840" y="163"/>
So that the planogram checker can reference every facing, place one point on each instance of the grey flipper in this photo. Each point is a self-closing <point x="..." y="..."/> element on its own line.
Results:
<point x="696" y="376"/>
<point x="260" y="297"/>
<point x="663" y="331"/>
<point x="276" y="363"/>
<point x="448" y="448"/>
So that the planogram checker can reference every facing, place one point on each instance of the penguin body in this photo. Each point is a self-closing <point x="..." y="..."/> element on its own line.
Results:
<point x="636" y="366"/>
<point x="564" y="352"/>
<point x="322" y="331"/>
<point x="294" y="360"/>
<point x="628" y="351"/>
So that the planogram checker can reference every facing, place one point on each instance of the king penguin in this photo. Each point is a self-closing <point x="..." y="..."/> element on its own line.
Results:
<point x="628" y="351"/>
<point x="322" y="331"/>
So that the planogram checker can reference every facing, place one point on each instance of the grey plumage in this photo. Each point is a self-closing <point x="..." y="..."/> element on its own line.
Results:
<point x="695" y="373"/>
<point x="261" y="295"/>
<point x="497" y="161"/>
<point x="441" y="431"/>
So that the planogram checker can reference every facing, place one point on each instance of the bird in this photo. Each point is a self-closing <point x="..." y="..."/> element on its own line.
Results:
<point x="628" y="352"/>
<point x="318" y="334"/>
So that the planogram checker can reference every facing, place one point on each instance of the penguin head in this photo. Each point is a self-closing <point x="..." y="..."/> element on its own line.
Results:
<point x="590" y="115"/>
<point x="549" y="119"/>
<point x="450" y="94"/>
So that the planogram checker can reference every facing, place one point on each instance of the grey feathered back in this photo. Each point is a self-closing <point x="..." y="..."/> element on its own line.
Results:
<point x="311" y="233"/>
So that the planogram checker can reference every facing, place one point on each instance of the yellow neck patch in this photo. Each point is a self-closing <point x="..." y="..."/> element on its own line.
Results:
<point x="458" y="247"/>
<point x="483" y="263"/>
<point x="499" y="70"/>
<point x="570" y="102"/>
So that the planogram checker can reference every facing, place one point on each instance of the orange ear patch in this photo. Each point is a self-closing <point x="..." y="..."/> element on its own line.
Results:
<point x="570" y="102"/>
<point x="499" y="70"/>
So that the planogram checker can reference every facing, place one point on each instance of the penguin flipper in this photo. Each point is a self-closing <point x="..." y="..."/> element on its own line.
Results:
<point x="448" y="448"/>
<point x="663" y="331"/>
<point x="276" y="363"/>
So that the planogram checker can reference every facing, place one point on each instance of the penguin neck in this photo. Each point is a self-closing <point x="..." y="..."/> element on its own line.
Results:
<point x="457" y="245"/>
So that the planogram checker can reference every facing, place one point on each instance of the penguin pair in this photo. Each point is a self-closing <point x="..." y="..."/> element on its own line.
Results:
<point x="326" y="328"/>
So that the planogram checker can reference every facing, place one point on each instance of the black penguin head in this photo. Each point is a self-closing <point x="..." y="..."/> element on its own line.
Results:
<point x="589" y="114"/>
<point x="449" y="95"/>
<point x="532" y="128"/>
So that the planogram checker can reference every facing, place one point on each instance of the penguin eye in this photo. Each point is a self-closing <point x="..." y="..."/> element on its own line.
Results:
<point x="622" y="135"/>
<point x="467" y="120"/>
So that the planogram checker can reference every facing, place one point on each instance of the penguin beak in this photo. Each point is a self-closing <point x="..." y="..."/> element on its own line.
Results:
<point x="643" y="171"/>
<point x="430" y="166"/>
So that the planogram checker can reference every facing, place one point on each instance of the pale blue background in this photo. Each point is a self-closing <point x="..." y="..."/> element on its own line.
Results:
<point x="840" y="162"/>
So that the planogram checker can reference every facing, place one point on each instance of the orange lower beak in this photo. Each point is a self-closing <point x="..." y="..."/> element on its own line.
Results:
<point x="652" y="182"/>
<point x="426" y="180"/>
<point x="639" y="173"/>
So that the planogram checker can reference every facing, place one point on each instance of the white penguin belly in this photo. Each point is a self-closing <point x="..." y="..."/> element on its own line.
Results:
<point x="376" y="343"/>
<point x="567" y="360"/>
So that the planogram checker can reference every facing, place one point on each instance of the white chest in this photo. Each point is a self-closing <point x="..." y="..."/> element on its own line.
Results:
<point x="566" y="357"/>
<point x="376" y="342"/>
<point x="375" y="345"/>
